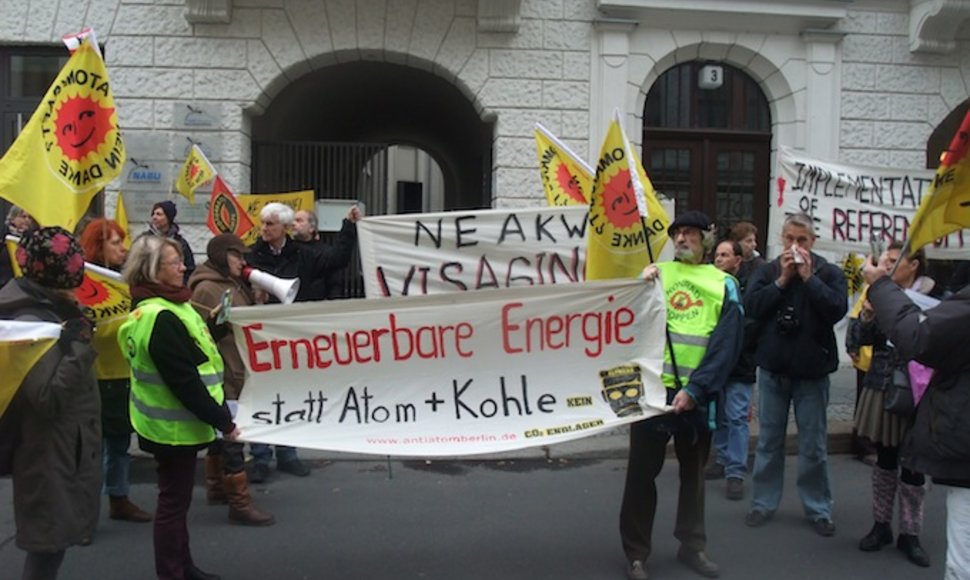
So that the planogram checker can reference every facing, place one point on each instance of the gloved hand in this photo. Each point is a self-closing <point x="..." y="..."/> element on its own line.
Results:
<point x="75" y="329"/>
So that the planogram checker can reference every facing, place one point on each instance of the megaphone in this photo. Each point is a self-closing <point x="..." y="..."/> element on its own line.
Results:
<point x="284" y="290"/>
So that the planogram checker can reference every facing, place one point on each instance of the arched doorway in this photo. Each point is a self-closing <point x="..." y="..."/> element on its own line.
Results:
<point x="332" y="122"/>
<point x="709" y="148"/>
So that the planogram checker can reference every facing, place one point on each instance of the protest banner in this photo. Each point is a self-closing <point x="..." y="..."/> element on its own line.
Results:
<point x="415" y="254"/>
<point x="453" y="374"/>
<point x="254" y="203"/>
<point x="852" y="204"/>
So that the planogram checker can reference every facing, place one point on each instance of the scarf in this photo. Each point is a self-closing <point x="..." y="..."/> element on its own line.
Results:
<point x="177" y="294"/>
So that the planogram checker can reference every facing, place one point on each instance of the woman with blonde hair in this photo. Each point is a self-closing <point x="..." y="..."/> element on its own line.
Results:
<point x="177" y="399"/>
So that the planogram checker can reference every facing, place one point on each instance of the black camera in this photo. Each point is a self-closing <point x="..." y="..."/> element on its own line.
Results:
<point x="787" y="322"/>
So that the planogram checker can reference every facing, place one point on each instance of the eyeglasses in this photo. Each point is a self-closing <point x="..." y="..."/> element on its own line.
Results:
<point x="170" y="263"/>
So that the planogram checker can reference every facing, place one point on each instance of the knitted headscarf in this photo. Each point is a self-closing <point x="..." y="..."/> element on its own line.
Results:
<point x="51" y="257"/>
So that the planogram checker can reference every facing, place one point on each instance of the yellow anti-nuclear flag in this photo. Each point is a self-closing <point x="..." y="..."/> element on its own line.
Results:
<point x="121" y="216"/>
<point x="107" y="300"/>
<point x="945" y="208"/>
<point x="616" y="245"/>
<point x="194" y="173"/>
<point x="566" y="178"/>
<point x="22" y="344"/>
<point x="70" y="149"/>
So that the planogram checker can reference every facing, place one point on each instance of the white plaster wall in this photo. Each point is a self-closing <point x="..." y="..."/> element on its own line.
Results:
<point x="893" y="99"/>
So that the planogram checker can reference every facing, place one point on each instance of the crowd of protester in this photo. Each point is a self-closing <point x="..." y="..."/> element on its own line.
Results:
<point x="766" y="329"/>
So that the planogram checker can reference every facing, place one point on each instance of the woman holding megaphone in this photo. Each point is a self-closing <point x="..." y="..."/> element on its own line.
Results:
<point x="225" y="474"/>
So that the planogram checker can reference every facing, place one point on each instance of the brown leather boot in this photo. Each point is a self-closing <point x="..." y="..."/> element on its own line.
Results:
<point x="123" y="509"/>
<point x="241" y="508"/>
<point x="215" y="494"/>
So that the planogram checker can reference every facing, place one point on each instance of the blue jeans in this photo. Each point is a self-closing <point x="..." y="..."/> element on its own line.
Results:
<point x="776" y="393"/>
<point x="731" y="437"/>
<point x="116" y="461"/>
<point x="262" y="453"/>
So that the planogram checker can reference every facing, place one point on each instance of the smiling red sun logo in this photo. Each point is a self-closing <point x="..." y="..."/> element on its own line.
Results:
<point x="82" y="126"/>
<point x="619" y="201"/>
<point x="569" y="183"/>
<point x="91" y="292"/>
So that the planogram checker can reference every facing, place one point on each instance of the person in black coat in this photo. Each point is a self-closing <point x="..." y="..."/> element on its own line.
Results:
<point x="938" y="441"/>
<point x="277" y="253"/>
<point x="336" y="256"/>
<point x="795" y="300"/>
<point x="162" y="223"/>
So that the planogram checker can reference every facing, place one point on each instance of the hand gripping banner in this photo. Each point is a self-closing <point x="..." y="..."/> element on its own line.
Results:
<point x="452" y="374"/>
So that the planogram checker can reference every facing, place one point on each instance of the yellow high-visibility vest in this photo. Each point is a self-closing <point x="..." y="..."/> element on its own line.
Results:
<point x="156" y="413"/>
<point x="695" y="295"/>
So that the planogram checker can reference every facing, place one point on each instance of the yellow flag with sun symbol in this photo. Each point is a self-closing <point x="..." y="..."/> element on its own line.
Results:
<point x="70" y="149"/>
<point x="107" y="301"/>
<point x="566" y="178"/>
<point x="616" y="242"/>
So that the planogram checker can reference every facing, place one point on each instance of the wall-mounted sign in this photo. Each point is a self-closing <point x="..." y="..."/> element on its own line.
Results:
<point x="196" y="115"/>
<point x="711" y="76"/>
<point x="145" y="174"/>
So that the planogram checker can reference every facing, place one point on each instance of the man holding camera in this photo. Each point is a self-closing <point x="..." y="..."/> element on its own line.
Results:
<point x="795" y="301"/>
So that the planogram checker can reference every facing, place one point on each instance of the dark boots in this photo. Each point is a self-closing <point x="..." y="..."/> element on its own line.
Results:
<point x="910" y="523"/>
<point x="880" y="535"/>
<point x="121" y="508"/>
<point x="241" y="508"/>
<point x="884" y="483"/>
<point x="215" y="494"/>
<point x="884" y="487"/>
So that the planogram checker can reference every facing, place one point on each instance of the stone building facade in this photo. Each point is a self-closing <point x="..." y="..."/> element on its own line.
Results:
<point x="863" y="81"/>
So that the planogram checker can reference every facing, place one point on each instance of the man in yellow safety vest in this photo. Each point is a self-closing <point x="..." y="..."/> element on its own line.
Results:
<point x="704" y="336"/>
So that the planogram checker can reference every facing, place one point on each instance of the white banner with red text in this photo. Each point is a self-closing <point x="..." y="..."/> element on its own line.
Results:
<point x="416" y="254"/>
<point x="852" y="204"/>
<point x="454" y="374"/>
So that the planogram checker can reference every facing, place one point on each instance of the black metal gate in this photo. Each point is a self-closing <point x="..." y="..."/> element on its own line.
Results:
<point x="347" y="171"/>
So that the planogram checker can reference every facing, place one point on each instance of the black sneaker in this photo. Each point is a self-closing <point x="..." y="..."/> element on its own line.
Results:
<point x="293" y="467"/>
<point x="735" y="489"/>
<point x="824" y="527"/>
<point x="258" y="473"/>
<point x="757" y="518"/>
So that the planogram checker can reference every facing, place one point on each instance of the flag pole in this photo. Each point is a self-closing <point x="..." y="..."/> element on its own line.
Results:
<point x="646" y="238"/>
